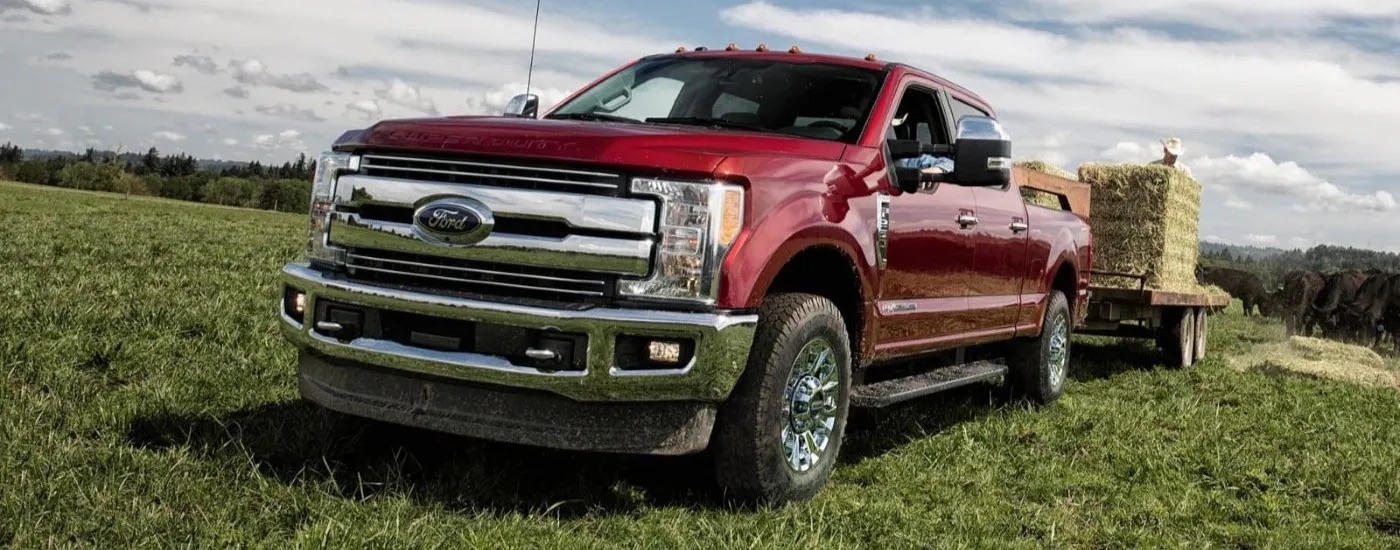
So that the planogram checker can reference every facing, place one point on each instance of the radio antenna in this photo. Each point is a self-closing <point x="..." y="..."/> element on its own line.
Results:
<point x="530" y="74"/>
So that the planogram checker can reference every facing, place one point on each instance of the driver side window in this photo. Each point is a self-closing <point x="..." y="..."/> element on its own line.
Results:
<point x="921" y="116"/>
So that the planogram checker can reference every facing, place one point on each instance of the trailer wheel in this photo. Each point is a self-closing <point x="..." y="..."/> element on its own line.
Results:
<point x="1201" y="329"/>
<point x="778" y="435"/>
<point x="1177" y="337"/>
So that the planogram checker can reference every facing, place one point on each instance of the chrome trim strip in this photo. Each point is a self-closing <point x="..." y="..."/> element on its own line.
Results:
<point x="353" y="267"/>
<point x="577" y="211"/>
<point x="722" y="342"/>
<point x="619" y="256"/>
<point x="454" y="358"/>
<point x="473" y="270"/>
<point x="495" y="176"/>
<point x="568" y="171"/>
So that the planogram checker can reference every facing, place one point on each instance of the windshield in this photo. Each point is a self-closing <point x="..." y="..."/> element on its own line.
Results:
<point x="821" y="101"/>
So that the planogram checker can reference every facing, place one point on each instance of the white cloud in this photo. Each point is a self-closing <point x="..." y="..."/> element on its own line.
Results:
<point x="54" y="131"/>
<point x="1238" y="204"/>
<point x="230" y="142"/>
<point x="286" y="140"/>
<point x="1263" y="240"/>
<point x="167" y="135"/>
<point x="368" y="108"/>
<point x="494" y="101"/>
<point x="1220" y="14"/>
<point x="40" y="7"/>
<point x="4" y="126"/>
<point x="402" y="93"/>
<point x="1259" y="172"/>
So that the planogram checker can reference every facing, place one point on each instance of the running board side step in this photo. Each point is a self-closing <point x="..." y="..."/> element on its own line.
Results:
<point x="889" y="392"/>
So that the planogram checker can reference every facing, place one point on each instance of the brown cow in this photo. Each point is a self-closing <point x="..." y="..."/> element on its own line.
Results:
<point x="1241" y="284"/>
<point x="1340" y="288"/>
<point x="1300" y="289"/>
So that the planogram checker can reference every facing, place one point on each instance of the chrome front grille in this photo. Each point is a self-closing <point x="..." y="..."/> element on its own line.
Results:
<point x="475" y="278"/>
<point x="488" y="173"/>
<point x="559" y="234"/>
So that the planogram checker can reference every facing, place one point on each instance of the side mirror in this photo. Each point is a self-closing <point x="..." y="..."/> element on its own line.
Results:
<point x="913" y="180"/>
<point x="983" y="153"/>
<point x="523" y="105"/>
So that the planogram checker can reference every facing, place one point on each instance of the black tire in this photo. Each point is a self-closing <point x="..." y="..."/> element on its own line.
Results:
<point x="749" y="458"/>
<point x="1201" y="327"/>
<point x="1176" y="338"/>
<point x="1036" y="372"/>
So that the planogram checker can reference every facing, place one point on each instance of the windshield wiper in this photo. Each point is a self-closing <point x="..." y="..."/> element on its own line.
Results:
<point x="702" y="121"/>
<point x="591" y="116"/>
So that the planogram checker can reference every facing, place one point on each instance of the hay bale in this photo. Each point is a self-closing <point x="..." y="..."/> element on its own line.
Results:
<point x="1146" y="220"/>
<point x="1323" y="359"/>
<point x="1036" y="196"/>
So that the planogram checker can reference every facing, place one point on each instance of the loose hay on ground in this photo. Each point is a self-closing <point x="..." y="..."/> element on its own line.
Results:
<point x="1037" y="197"/>
<point x="1146" y="219"/>
<point x="1323" y="358"/>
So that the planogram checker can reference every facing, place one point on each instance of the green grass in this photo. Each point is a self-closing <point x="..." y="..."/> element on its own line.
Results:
<point x="148" y="398"/>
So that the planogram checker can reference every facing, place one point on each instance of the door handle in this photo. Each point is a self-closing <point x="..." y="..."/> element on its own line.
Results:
<point x="1019" y="226"/>
<point x="966" y="220"/>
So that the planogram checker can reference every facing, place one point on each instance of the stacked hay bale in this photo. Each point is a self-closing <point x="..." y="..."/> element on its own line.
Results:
<point x="1041" y="198"/>
<point x="1146" y="219"/>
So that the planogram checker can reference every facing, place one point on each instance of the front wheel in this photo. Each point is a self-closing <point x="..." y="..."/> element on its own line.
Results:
<point x="778" y="434"/>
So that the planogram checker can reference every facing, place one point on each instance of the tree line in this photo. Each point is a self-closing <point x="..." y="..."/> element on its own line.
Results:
<point x="1322" y="258"/>
<point x="284" y="188"/>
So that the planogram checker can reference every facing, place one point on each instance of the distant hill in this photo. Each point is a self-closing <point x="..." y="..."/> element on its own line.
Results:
<point x="130" y="158"/>
<point x="1241" y="251"/>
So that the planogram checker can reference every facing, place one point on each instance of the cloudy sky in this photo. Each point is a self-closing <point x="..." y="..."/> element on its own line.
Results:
<point x="1283" y="105"/>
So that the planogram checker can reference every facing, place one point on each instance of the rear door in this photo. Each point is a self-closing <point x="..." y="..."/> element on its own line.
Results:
<point x="1001" y="242"/>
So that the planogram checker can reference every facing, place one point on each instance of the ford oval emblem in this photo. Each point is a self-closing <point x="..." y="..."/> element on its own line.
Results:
<point x="454" y="220"/>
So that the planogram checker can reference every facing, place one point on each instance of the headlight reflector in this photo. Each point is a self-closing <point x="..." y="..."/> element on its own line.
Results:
<point x="699" y="222"/>
<point x="329" y="165"/>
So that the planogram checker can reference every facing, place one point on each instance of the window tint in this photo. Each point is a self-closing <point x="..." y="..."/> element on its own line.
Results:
<point x="922" y="118"/>
<point x="813" y="100"/>
<point x="962" y="109"/>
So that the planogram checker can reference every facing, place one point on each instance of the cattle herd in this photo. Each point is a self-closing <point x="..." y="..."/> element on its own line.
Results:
<point x="1350" y="305"/>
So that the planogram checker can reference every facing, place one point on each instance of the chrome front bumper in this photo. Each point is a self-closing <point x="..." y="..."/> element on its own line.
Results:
<point x="722" y="342"/>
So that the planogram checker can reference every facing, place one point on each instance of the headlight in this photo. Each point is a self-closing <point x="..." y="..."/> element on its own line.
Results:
<point x="328" y="167"/>
<point x="699" y="222"/>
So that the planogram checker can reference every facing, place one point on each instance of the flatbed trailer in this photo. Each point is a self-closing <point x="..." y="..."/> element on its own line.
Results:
<point x="1177" y="321"/>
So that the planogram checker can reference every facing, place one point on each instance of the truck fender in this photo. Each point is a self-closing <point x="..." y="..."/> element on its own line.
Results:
<point x="786" y="231"/>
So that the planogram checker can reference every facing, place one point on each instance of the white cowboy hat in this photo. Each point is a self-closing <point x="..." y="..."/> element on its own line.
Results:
<point x="1173" y="146"/>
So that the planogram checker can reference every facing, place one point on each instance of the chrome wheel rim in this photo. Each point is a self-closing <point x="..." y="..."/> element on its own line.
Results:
<point x="809" y="405"/>
<point x="1058" y="358"/>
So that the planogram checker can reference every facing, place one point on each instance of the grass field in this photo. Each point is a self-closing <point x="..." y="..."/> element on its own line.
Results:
<point x="148" y="398"/>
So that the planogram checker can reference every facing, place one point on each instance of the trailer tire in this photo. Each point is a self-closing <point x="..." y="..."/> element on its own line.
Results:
<point x="797" y="382"/>
<point x="1202" y="326"/>
<point x="1038" y="367"/>
<point x="1177" y="338"/>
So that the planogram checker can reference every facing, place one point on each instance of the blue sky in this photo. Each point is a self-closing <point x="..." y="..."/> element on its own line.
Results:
<point x="1285" y="106"/>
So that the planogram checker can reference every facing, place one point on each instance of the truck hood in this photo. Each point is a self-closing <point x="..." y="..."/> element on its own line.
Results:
<point x="669" y="147"/>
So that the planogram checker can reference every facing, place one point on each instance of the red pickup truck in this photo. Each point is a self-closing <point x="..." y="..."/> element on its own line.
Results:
<point x="713" y="251"/>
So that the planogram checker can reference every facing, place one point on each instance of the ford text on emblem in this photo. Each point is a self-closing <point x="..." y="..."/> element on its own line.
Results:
<point x="454" y="220"/>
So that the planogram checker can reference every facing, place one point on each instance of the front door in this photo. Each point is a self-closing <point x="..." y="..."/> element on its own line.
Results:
<point x="924" y="287"/>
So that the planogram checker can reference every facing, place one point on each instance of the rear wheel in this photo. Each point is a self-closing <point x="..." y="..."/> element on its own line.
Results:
<point x="779" y="433"/>
<point x="1039" y="366"/>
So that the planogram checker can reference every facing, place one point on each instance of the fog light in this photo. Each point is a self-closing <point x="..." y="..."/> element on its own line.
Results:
<point x="299" y="302"/>
<point x="663" y="352"/>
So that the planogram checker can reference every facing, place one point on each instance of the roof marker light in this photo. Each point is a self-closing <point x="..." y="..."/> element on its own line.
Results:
<point x="794" y="49"/>
<point x="731" y="47"/>
<point x="870" y="57"/>
<point x="762" y="48"/>
<point x="680" y="49"/>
